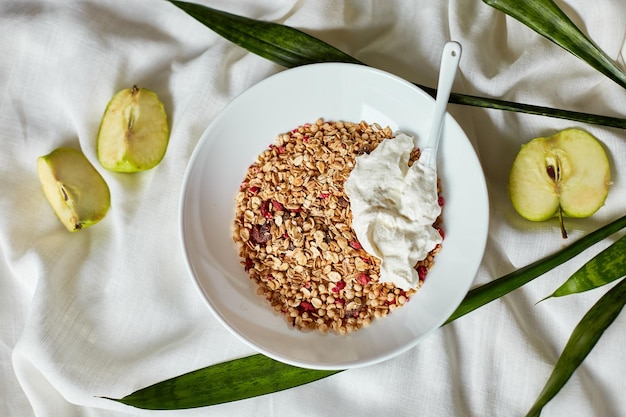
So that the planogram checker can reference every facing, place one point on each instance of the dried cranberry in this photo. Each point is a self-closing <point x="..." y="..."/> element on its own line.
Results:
<point x="249" y="264"/>
<point x="339" y="285"/>
<point x="362" y="279"/>
<point x="342" y="202"/>
<point x="440" y="201"/>
<point x="277" y="206"/>
<point x="261" y="233"/>
<point x="253" y="190"/>
<point x="355" y="244"/>
<point x="265" y="209"/>
<point x="306" y="306"/>
<point x="421" y="272"/>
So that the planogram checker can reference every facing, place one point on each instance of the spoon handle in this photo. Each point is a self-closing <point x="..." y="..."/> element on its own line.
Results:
<point x="449" y="63"/>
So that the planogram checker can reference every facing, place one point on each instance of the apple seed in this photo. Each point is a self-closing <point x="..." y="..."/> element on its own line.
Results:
<point x="65" y="196"/>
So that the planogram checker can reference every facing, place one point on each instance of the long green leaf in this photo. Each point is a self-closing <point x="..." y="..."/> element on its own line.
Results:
<point x="291" y="47"/>
<point x="495" y="289"/>
<point x="496" y="104"/>
<point x="606" y="267"/>
<point x="583" y="339"/>
<point x="225" y="382"/>
<point x="281" y="44"/>
<point x="547" y="19"/>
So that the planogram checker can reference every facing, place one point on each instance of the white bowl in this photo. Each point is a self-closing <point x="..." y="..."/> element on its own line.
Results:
<point x="332" y="91"/>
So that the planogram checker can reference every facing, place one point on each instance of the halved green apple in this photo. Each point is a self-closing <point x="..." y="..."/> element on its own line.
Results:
<point x="76" y="192"/>
<point x="564" y="175"/>
<point x="134" y="132"/>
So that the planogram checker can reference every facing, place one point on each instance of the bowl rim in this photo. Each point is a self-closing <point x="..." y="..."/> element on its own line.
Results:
<point x="189" y="262"/>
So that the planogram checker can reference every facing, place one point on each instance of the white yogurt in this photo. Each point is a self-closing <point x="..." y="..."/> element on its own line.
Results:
<point x="393" y="208"/>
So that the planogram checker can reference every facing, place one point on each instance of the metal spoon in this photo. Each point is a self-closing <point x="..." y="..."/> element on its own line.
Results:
<point x="449" y="63"/>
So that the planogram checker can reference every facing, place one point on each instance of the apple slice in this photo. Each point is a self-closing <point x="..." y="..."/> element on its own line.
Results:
<point x="76" y="192"/>
<point x="134" y="132"/>
<point x="564" y="175"/>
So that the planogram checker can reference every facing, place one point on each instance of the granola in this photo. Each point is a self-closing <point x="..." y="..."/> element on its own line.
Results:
<point x="293" y="230"/>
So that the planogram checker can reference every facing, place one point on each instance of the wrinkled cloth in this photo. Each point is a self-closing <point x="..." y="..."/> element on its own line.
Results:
<point x="111" y="309"/>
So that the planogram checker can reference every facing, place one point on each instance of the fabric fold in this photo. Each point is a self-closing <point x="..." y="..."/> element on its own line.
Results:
<point x="112" y="309"/>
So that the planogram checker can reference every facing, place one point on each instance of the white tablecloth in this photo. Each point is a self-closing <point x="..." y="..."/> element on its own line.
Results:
<point x="112" y="309"/>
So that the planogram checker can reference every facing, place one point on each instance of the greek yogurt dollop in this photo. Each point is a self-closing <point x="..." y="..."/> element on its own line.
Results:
<point x="393" y="208"/>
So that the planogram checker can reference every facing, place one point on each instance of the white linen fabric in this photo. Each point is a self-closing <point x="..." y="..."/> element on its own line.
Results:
<point x="111" y="309"/>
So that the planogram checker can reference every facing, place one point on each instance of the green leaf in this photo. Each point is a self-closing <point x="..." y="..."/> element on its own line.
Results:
<point x="606" y="267"/>
<point x="228" y="381"/>
<point x="281" y="44"/>
<point x="583" y="339"/>
<point x="547" y="19"/>
<point x="495" y="289"/>
<point x="291" y="47"/>
<point x="496" y="104"/>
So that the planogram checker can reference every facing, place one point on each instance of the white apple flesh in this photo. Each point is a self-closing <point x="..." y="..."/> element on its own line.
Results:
<point x="77" y="193"/>
<point x="567" y="174"/>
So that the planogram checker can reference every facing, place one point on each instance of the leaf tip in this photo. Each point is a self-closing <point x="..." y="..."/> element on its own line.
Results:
<point x="118" y="400"/>
<point x="545" y="298"/>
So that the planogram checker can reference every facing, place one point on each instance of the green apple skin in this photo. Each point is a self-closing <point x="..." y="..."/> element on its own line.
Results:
<point x="134" y="132"/>
<point x="565" y="174"/>
<point x="76" y="191"/>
